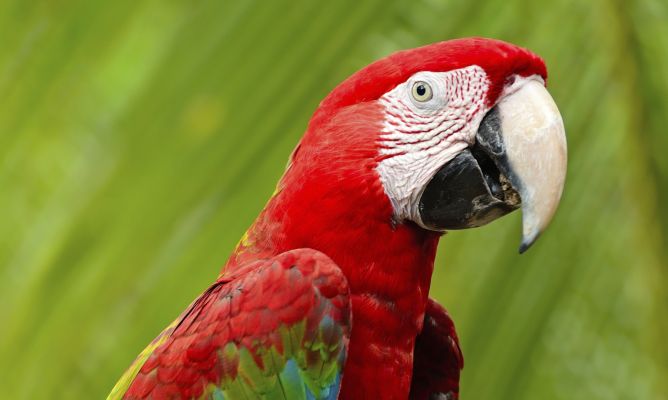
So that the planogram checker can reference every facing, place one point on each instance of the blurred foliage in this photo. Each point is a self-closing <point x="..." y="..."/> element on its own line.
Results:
<point x="138" y="140"/>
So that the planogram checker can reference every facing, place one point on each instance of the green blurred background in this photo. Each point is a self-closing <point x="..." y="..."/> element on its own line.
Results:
<point x="138" y="140"/>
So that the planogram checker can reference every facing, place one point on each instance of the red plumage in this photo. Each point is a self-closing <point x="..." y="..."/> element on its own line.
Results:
<point x="499" y="60"/>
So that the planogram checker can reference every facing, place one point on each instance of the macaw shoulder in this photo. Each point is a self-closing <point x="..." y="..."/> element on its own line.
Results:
<point x="274" y="328"/>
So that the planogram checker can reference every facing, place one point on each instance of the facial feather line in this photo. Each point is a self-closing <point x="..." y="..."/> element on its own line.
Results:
<point x="419" y="137"/>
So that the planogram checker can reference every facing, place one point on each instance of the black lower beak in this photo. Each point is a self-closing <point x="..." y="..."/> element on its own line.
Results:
<point x="474" y="188"/>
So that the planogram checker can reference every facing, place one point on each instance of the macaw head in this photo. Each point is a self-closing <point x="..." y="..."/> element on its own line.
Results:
<point x="448" y="136"/>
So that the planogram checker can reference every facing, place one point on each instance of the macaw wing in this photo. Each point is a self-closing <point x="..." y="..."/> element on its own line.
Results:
<point x="438" y="358"/>
<point x="272" y="329"/>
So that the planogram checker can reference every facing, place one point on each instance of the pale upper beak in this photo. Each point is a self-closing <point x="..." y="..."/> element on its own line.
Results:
<point x="535" y="140"/>
<point x="519" y="158"/>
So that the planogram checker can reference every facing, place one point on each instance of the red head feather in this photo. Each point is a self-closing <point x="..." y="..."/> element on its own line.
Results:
<point x="499" y="60"/>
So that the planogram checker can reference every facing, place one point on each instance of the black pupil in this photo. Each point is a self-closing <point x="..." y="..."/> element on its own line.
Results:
<point x="421" y="90"/>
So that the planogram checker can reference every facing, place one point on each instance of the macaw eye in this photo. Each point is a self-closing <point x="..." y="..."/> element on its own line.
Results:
<point x="421" y="91"/>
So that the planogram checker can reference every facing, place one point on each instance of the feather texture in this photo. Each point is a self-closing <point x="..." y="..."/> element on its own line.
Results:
<point x="276" y="328"/>
<point x="437" y="358"/>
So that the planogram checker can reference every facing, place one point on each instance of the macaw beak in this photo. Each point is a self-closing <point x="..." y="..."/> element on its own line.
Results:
<point x="519" y="159"/>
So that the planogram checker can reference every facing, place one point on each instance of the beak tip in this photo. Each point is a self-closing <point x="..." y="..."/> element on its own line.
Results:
<point x="528" y="241"/>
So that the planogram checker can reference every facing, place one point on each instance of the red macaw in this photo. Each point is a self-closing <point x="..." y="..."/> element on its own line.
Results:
<point x="326" y="295"/>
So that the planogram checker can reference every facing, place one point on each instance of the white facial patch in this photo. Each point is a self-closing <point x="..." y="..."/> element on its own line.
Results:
<point x="419" y="137"/>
